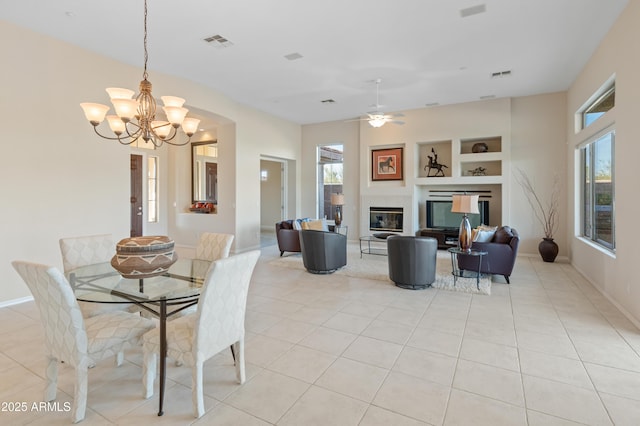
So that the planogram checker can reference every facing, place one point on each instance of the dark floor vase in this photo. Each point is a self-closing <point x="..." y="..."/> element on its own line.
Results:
<point x="548" y="249"/>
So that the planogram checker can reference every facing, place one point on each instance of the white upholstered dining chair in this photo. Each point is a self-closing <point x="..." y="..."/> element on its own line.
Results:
<point x="217" y="324"/>
<point x="212" y="246"/>
<point x="69" y="337"/>
<point x="89" y="250"/>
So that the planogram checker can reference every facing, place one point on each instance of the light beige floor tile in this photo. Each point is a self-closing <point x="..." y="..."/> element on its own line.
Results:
<point x="492" y="382"/>
<point x="401" y="316"/>
<point x="565" y="370"/>
<point x="564" y="401"/>
<point x="353" y="378"/>
<point x="444" y="324"/>
<point x="311" y="315"/>
<point x="540" y="419"/>
<point x="615" y="381"/>
<point x="622" y="356"/>
<point x="550" y="344"/>
<point x="360" y="309"/>
<point x="302" y="363"/>
<point x="376" y="416"/>
<point x="268" y="395"/>
<point x="623" y="411"/>
<point x="289" y="330"/>
<point x="436" y="341"/>
<point x="470" y="409"/>
<point x="263" y="350"/>
<point x="328" y="340"/>
<point x="372" y="351"/>
<point x="490" y="353"/>
<point x="226" y="415"/>
<point x="502" y="334"/>
<point x="413" y="397"/>
<point x="320" y="407"/>
<point x="348" y="323"/>
<point x="426" y="365"/>
<point x="388" y="331"/>
<point x="177" y="408"/>
<point x="258" y="322"/>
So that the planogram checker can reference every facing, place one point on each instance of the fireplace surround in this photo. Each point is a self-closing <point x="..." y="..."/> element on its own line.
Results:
<point x="386" y="219"/>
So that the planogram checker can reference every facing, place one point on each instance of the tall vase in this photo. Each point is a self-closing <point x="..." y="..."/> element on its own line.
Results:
<point x="548" y="249"/>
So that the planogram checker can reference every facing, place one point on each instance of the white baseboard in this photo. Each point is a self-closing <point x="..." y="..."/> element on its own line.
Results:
<point x="12" y="302"/>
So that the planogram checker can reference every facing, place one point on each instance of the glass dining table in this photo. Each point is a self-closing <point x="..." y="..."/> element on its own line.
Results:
<point x="163" y="296"/>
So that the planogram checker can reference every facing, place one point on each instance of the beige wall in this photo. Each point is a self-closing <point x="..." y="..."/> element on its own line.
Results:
<point x="615" y="275"/>
<point x="58" y="179"/>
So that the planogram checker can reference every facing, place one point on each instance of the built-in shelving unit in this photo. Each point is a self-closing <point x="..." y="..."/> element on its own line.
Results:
<point x="464" y="164"/>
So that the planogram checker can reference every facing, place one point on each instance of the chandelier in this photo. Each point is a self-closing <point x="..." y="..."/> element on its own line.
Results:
<point x="136" y="118"/>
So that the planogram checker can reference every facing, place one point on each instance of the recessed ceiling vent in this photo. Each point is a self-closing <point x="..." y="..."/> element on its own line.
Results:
<point x="293" y="56"/>
<point x="487" y="97"/>
<point x="218" y="41"/>
<point x="328" y="101"/>
<point x="501" y="74"/>
<point x="473" y="10"/>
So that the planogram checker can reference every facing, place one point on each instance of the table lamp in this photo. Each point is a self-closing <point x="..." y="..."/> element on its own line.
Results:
<point x="338" y="201"/>
<point x="466" y="204"/>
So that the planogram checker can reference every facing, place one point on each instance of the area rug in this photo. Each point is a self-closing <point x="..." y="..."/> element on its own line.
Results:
<point x="377" y="268"/>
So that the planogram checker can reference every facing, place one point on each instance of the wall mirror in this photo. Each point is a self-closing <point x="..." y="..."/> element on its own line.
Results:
<point x="204" y="171"/>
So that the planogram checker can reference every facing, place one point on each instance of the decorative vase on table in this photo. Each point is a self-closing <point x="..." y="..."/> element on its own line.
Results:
<point x="548" y="249"/>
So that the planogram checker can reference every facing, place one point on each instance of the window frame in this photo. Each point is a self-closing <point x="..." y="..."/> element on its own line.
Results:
<point x="589" y="193"/>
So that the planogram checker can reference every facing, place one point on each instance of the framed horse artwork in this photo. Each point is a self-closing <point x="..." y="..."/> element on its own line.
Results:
<point x="386" y="164"/>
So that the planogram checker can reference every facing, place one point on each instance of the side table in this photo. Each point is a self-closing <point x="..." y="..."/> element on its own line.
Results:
<point x="461" y="273"/>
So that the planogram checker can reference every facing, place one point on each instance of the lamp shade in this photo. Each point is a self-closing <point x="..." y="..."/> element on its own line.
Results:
<point x="465" y="204"/>
<point x="337" y="199"/>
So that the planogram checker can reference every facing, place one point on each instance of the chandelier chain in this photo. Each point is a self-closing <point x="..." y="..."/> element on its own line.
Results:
<point x="146" y="54"/>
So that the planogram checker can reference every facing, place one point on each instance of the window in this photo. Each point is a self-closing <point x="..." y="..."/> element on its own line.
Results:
<point x="330" y="177"/>
<point x="152" y="188"/>
<point x="599" y="106"/>
<point x="598" y="177"/>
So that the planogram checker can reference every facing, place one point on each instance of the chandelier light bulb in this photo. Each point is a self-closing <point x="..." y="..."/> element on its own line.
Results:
<point x="190" y="126"/>
<point x="95" y="113"/>
<point x="116" y="124"/>
<point x="175" y="115"/>
<point x="172" y="101"/>
<point x="161" y="128"/>
<point x="125" y="108"/>
<point x="118" y="93"/>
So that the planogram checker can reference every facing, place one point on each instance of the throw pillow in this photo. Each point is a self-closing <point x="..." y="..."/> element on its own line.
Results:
<point x="318" y="225"/>
<point x="297" y="224"/>
<point x="483" y="233"/>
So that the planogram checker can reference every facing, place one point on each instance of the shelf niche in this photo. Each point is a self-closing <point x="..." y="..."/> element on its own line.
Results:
<point x="442" y="150"/>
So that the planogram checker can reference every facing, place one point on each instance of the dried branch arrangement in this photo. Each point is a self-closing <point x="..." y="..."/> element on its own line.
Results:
<point x="546" y="214"/>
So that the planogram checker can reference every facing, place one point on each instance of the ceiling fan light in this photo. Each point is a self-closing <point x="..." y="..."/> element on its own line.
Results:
<point x="377" y="121"/>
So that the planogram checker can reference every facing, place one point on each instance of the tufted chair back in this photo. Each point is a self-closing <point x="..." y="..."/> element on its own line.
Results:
<point x="213" y="246"/>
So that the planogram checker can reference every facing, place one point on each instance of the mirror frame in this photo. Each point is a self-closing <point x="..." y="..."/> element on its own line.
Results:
<point x="193" y="183"/>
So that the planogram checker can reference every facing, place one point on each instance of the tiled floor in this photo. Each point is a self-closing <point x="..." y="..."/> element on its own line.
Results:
<point x="332" y="350"/>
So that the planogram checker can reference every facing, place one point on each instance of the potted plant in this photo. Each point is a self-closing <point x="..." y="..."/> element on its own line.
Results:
<point x="546" y="214"/>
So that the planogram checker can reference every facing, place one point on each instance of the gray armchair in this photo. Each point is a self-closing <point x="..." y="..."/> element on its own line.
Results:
<point x="323" y="252"/>
<point x="412" y="261"/>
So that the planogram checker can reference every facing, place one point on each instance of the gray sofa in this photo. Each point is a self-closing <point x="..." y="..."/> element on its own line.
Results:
<point x="501" y="258"/>
<point x="412" y="261"/>
<point x="323" y="252"/>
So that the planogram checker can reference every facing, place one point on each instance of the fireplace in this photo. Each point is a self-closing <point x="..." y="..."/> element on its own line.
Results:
<point x="385" y="218"/>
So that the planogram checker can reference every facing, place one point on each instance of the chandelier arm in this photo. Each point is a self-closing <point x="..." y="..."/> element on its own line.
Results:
<point x="95" y="129"/>
<point x="178" y="143"/>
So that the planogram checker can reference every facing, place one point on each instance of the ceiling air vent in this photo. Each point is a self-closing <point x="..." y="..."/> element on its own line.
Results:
<point x="328" y="101"/>
<point x="473" y="10"/>
<point x="501" y="74"/>
<point x="218" y="41"/>
<point x="293" y="56"/>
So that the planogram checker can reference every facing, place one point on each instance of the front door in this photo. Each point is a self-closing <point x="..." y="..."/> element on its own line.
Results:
<point x="136" y="195"/>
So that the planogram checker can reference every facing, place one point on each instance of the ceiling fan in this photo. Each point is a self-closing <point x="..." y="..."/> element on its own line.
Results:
<point x="377" y="118"/>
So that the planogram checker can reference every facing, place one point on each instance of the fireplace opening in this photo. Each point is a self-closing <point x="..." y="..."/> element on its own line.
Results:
<point x="385" y="219"/>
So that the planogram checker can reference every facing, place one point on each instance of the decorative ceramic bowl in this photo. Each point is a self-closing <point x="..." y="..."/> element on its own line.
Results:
<point x="143" y="257"/>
